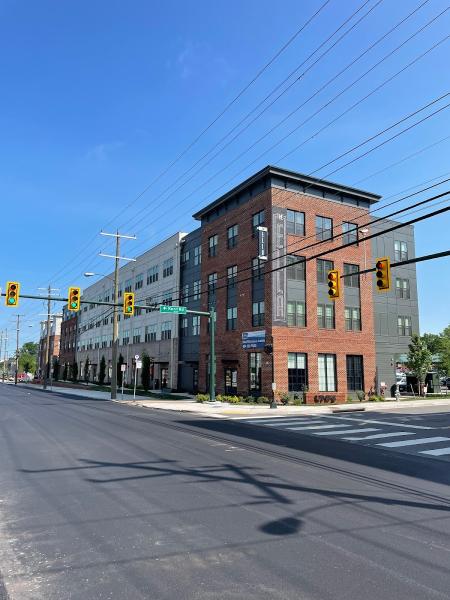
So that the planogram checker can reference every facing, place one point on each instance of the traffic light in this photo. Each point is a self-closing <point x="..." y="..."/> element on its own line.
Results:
<point x="383" y="274"/>
<point x="12" y="293"/>
<point x="73" y="303"/>
<point x="128" y="304"/>
<point x="334" y="284"/>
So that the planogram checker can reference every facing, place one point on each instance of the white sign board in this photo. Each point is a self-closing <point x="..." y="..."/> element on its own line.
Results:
<point x="123" y="368"/>
<point x="136" y="357"/>
<point x="139" y="364"/>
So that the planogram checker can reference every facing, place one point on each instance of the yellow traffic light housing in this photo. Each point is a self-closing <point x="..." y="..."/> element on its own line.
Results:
<point x="73" y="302"/>
<point x="12" y="293"/>
<point x="383" y="274"/>
<point x="334" y="284"/>
<point x="128" y="304"/>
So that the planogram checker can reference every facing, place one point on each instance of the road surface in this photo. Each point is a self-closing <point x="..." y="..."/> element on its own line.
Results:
<point x="101" y="500"/>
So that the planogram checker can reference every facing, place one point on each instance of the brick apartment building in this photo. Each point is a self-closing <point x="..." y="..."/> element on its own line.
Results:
<point x="68" y="340"/>
<point x="328" y="349"/>
<point x="55" y="336"/>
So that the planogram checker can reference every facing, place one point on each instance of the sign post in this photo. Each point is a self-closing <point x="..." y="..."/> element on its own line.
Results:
<point x="137" y="365"/>
<point x="123" y="368"/>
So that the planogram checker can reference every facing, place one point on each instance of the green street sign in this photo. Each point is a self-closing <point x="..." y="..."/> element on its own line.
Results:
<point x="177" y="310"/>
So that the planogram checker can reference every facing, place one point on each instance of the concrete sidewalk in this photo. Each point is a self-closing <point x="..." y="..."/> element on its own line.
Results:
<point x="221" y="410"/>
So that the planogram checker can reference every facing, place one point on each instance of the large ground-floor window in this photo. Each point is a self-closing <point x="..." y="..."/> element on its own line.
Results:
<point x="297" y="372"/>
<point x="230" y="377"/>
<point x="327" y="373"/>
<point x="254" y="371"/>
<point x="355" y="373"/>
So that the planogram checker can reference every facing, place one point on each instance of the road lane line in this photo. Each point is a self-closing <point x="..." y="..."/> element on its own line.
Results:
<point x="364" y="421"/>
<point x="415" y="442"/>
<point x="379" y="436"/>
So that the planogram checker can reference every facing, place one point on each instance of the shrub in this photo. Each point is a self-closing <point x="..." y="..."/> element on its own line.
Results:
<point x="297" y="402"/>
<point x="375" y="398"/>
<point x="361" y="395"/>
<point x="262" y="400"/>
<point x="202" y="397"/>
<point x="248" y="399"/>
<point x="221" y="398"/>
<point x="284" y="398"/>
<point x="233" y="399"/>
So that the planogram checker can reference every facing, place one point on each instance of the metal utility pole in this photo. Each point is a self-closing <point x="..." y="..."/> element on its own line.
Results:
<point x="5" y="355"/>
<point x="17" y="349"/>
<point x="212" y="355"/>
<point x="47" y="348"/>
<point x="115" y="340"/>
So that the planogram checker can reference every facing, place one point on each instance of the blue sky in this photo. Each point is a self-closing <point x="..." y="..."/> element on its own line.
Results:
<point x="98" y="98"/>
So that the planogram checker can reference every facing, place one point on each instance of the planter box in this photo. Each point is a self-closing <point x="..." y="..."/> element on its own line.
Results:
<point x="325" y="398"/>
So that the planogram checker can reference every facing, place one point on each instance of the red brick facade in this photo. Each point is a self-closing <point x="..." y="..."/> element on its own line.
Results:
<point x="68" y="341"/>
<point x="310" y="340"/>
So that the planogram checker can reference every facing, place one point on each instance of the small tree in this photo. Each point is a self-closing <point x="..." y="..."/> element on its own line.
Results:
<point x="145" y="374"/>
<point x="74" y="370"/>
<point x="119" y="371"/>
<point x="102" y="371"/>
<point x="419" y="360"/>
<point x="56" y="369"/>
<point x="65" y="371"/>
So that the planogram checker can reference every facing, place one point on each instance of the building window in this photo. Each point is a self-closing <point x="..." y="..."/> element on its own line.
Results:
<point x="257" y="219"/>
<point x="197" y="255"/>
<point x="257" y="269"/>
<point x="404" y="325"/>
<point x="349" y="233"/>
<point x="197" y="289"/>
<point x="185" y="293"/>
<point x="351" y="280"/>
<point x="230" y="376"/>
<point x="185" y="257"/>
<point x="137" y="336"/>
<point x="128" y="285"/>
<point x="324" y="228"/>
<point x="352" y="318"/>
<point x="254" y="371"/>
<point x="232" y="236"/>
<point x="400" y="251"/>
<point x="323" y="266"/>
<point x="355" y="373"/>
<point x="152" y="274"/>
<point x="166" y="297"/>
<point x="231" y="318"/>
<point x="212" y="245"/>
<point x="402" y="289"/>
<point x="297" y="372"/>
<point x="327" y="372"/>
<point x="212" y="282"/>
<point x="296" y="314"/>
<point x="183" y="326"/>
<point x="166" y="330"/>
<point x="295" y="222"/>
<point x="139" y="281"/>
<point x="295" y="269"/>
<point x="325" y="316"/>
<point x="168" y="267"/>
<point x="196" y="325"/>
<point x="137" y="312"/>
<point x="258" y="313"/>
<point x="126" y="338"/>
<point x="150" y="333"/>
<point x="231" y="276"/>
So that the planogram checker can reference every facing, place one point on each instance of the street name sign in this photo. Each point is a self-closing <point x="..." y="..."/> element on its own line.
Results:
<point x="174" y="310"/>
<point x="253" y="339"/>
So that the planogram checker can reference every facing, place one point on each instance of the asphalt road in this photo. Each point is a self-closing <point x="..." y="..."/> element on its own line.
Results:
<point x="99" y="500"/>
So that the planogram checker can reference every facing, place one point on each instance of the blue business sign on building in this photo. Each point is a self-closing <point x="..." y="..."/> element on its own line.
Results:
<point x="253" y="339"/>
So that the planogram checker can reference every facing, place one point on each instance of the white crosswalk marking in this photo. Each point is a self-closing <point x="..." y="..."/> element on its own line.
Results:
<point x="366" y="429"/>
<point x="377" y="436"/>
<point x="437" y="452"/>
<point x="295" y="422"/>
<point x="416" y="442"/>
<point x="282" y="420"/>
<point x="314" y="427"/>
